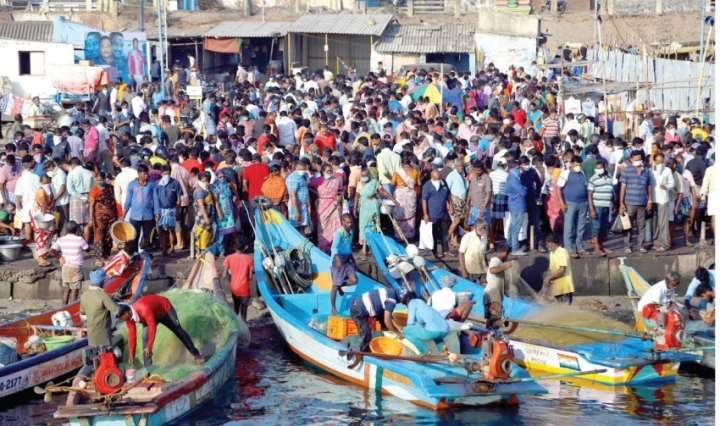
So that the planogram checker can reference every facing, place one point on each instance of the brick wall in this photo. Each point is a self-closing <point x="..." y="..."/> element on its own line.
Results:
<point x="648" y="7"/>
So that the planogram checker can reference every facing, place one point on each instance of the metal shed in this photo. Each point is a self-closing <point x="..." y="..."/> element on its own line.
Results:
<point x="337" y="40"/>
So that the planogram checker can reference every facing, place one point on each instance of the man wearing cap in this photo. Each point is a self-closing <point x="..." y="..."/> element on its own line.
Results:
<point x="98" y="306"/>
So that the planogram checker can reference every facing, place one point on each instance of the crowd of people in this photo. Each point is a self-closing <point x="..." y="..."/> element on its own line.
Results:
<point x="497" y="156"/>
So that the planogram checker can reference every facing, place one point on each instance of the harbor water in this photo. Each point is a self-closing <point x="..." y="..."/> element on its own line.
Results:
<point x="275" y="387"/>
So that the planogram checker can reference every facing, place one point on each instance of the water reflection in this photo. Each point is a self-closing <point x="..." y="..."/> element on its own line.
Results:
<point x="274" y="387"/>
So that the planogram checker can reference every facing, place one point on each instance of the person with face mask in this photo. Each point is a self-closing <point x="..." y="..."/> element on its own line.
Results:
<point x="297" y="185"/>
<point x="663" y="186"/>
<point x="471" y="254"/>
<point x="62" y="198"/>
<point x="79" y="182"/>
<point x="635" y="198"/>
<point x="142" y="208"/>
<point x="600" y="203"/>
<point x="437" y="209"/>
<point x="205" y="208"/>
<point x="458" y="186"/>
<point x="517" y="207"/>
<point x="103" y="212"/>
<point x="574" y="202"/>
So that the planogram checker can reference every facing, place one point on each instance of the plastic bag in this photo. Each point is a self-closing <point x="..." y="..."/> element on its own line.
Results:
<point x="617" y="227"/>
<point x="589" y="108"/>
<point x="426" y="236"/>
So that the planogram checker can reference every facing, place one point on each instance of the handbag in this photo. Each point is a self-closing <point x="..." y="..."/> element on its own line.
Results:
<point x="617" y="227"/>
<point x="426" y="236"/>
<point x="625" y="221"/>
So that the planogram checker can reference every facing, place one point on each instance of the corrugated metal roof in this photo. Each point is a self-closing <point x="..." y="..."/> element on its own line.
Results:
<point x="341" y="23"/>
<point x="27" y="30"/>
<point x="249" y="29"/>
<point x="451" y="38"/>
<point x="173" y="33"/>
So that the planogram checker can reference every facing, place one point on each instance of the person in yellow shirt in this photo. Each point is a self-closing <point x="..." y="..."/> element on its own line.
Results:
<point x="560" y="279"/>
<point x="696" y="129"/>
<point x="708" y="193"/>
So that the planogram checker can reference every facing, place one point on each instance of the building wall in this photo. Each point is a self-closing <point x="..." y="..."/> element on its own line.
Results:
<point x="352" y="51"/>
<point x="504" y="51"/>
<point x="649" y="7"/>
<point x="48" y="54"/>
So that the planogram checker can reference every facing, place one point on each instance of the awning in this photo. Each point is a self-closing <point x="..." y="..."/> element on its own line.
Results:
<point x="248" y="29"/>
<point x="222" y="45"/>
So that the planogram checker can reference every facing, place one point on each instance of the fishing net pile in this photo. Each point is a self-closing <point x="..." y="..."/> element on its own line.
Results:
<point x="207" y="320"/>
<point x="569" y="316"/>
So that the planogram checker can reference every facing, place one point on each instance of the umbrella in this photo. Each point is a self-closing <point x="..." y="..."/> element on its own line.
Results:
<point x="428" y="90"/>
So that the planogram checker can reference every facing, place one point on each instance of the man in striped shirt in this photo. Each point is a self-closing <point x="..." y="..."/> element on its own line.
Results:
<point x="600" y="202"/>
<point x="69" y="249"/>
<point x="379" y="304"/>
<point x="549" y="129"/>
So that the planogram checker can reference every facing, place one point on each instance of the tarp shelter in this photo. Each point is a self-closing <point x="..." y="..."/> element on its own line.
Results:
<point x="251" y="43"/>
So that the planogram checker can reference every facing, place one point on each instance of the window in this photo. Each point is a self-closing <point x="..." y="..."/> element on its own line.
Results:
<point x="31" y="63"/>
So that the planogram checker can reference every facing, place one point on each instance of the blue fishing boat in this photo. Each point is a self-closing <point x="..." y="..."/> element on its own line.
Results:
<point x="430" y="382"/>
<point x="628" y="361"/>
<point x="700" y="342"/>
<point x="49" y="345"/>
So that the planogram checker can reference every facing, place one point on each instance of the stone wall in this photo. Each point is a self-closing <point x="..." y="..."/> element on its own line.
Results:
<point x="650" y="7"/>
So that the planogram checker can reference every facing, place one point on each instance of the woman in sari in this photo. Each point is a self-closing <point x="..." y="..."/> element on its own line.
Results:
<point x="223" y="191"/>
<point x="367" y="204"/>
<point x="205" y="206"/>
<point x="44" y="204"/>
<point x="406" y="181"/>
<point x="275" y="189"/>
<point x="552" y="201"/>
<point x="328" y="207"/>
<point x="103" y="212"/>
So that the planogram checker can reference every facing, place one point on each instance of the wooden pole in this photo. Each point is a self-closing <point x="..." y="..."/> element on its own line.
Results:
<point x="646" y="66"/>
<point x="700" y="77"/>
<point x="327" y="49"/>
<point x="602" y="65"/>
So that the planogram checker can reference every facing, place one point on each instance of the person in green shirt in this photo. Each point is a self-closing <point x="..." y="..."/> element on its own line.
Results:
<point x="99" y="308"/>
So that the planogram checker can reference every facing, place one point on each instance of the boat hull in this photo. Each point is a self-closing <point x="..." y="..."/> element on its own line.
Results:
<point x="47" y="366"/>
<point x="536" y="357"/>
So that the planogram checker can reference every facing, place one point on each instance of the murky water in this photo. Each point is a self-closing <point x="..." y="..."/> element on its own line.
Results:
<point x="274" y="387"/>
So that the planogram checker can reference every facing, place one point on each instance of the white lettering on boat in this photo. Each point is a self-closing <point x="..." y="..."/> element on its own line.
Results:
<point x="177" y="408"/>
<point x="38" y="374"/>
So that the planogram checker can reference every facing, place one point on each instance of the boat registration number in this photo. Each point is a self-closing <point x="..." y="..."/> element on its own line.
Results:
<point x="10" y="384"/>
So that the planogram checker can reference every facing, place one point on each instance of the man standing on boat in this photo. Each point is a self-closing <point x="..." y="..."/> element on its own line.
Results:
<point x="149" y="311"/>
<point x="98" y="307"/>
<point x="662" y="293"/>
<point x="496" y="287"/>
<point x="561" y="278"/>
<point x="379" y="304"/>
<point x="343" y="270"/>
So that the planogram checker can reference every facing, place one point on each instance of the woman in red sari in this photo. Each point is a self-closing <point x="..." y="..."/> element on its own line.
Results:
<point x="44" y="204"/>
<point x="328" y="206"/>
<point x="552" y="201"/>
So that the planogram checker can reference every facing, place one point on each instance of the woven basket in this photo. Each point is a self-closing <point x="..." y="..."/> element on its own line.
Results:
<point x="122" y="232"/>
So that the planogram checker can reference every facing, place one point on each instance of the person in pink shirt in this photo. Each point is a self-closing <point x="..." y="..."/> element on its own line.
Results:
<point x="69" y="249"/>
<point x="9" y="175"/>
<point x="136" y="63"/>
<point x="92" y="139"/>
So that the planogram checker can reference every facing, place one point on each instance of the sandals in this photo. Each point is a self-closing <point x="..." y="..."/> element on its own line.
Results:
<point x="608" y="251"/>
<point x="628" y="251"/>
<point x="575" y="255"/>
<point x="689" y="245"/>
<point x="643" y="250"/>
<point x="582" y="253"/>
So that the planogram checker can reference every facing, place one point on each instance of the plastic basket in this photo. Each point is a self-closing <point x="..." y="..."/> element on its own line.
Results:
<point x="55" y="342"/>
<point x="385" y="345"/>
<point x="122" y="232"/>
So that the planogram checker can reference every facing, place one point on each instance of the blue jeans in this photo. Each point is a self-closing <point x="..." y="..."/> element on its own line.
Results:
<point x="416" y="334"/>
<point x="600" y="225"/>
<point x="574" y="226"/>
<point x="516" y="220"/>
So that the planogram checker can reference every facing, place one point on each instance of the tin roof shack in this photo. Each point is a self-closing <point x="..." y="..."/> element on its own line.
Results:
<point x="250" y="43"/>
<point x="340" y="41"/>
<point x="27" y="64"/>
<point x="452" y="44"/>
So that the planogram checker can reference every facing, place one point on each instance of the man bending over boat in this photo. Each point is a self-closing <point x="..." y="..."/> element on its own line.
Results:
<point x="707" y="293"/>
<point x="423" y="323"/>
<point x="149" y="311"/>
<point x="662" y="293"/>
<point x="343" y="267"/>
<point x="702" y="277"/>
<point x="379" y="304"/>
<point x="497" y="286"/>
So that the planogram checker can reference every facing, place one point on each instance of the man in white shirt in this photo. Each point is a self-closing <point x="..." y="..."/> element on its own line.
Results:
<point x="286" y="129"/>
<point x="62" y="197"/>
<point x="25" y="189"/>
<point x="663" y="183"/>
<point x="570" y="124"/>
<point x="388" y="163"/>
<point x="122" y="180"/>
<point x="138" y="105"/>
<point x="659" y="294"/>
<point x="645" y="132"/>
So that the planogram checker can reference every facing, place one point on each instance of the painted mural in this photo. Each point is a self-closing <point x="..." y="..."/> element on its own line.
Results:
<point x="124" y="53"/>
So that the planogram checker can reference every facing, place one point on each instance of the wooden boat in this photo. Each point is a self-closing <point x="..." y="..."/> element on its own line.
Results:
<point x="432" y="385"/>
<point x="125" y="278"/>
<point x="152" y="403"/>
<point x="636" y="287"/>
<point x="627" y="361"/>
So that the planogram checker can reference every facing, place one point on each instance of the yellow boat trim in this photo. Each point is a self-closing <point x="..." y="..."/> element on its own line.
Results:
<point x="534" y="367"/>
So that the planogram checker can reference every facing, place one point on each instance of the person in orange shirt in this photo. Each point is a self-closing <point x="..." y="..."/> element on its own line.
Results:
<point x="239" y="270"/>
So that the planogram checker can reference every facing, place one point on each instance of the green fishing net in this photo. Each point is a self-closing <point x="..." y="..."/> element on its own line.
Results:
<point x="207" y="320"/>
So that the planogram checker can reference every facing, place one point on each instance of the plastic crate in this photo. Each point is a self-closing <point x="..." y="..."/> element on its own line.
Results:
<point x="339" y="328"/>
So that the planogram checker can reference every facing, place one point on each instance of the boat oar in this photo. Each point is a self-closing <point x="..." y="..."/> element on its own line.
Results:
<point x="554" y="376"/>
<point x="639" y="335"/>
<point x="699" y="348"/>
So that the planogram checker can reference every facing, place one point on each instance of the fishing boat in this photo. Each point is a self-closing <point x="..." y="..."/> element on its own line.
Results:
<point x="152" y="401"/>
<point x="628" y="361"/>
<point x="702" y="339"/>
<point x="296" y="303"/>
<point x="43" y="360"/>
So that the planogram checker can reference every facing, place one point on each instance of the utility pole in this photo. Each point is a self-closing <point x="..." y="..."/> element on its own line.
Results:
<point x="141" y="14"/>
<point x="702" y="30"/>
<point x="162" y="53"/>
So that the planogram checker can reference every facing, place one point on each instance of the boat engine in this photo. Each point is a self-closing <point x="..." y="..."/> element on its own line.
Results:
<point x="670" y="330"/>
<point x="108" y="377"/>
<point x="496" y="361"/>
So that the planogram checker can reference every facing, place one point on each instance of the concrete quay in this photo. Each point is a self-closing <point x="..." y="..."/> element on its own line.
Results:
<point x="593" y="275"/>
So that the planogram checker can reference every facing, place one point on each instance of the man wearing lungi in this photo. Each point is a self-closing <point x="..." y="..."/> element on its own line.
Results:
<point x="79" y="182"/>
<point x="343" y="263"/>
